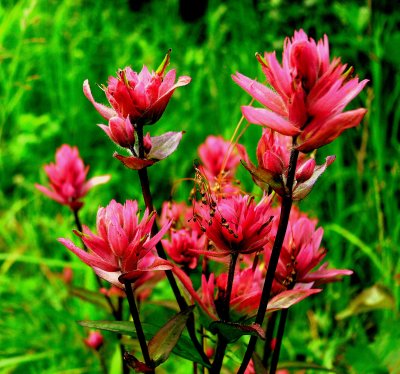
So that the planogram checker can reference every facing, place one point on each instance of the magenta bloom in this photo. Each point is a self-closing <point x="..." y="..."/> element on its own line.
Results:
<point x="235" y="224"/>
<point x="273" y="155"/>
<point x="301" y="254"/>
<point x="140" y="97"/>
<point x="220" y="159"/>
<point x="183" y="247"/>
<point x="123" y="245"/>
<point x="309" y="93"/>
<point x="67" y="177"/>
<point x="94" y="340"/>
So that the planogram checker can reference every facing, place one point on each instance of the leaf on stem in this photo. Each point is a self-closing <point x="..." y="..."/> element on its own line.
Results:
<point x="233" y="331"/>
<point x="184" y="348"/>
<point x="162" y="344"/>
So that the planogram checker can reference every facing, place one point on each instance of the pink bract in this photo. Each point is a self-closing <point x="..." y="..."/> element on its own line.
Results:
<point x="301" y="254"/>
<point x="273" y="154"/>
<point x="123" y="246"/>
<point x="308" y="96"/>
<point x="183" y="247"/>
<point x="235" y="224"/>
<point x="140" y="97"/>
<point x="67" y="177"/>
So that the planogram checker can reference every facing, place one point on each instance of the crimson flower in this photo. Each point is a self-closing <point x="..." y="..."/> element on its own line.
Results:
<point x="183" y="247"/>
<point x="235" y="224"/>
<point x="140" y="97"/>
<point x="67" y="177"/>
<point x="273" y="155"/>
<point x="123" y="246"/>
<point x="309" y="93"/>
<point x="246" y="294"/>
<point x="94" y="340"/>
<point x="301" y="253"/>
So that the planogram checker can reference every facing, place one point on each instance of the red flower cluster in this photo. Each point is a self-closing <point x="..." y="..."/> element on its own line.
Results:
<point x="67" y="177"/>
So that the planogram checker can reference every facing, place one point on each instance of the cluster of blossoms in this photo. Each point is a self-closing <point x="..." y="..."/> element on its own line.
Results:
<point x="226" y="240"/>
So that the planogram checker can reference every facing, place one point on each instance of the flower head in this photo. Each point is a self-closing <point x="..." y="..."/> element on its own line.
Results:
<point x="94" y="340"/>
<point x="183" y="247"/>
<point x="235" y="224"/>
<point x="301" y="254"/>
<point x="67" y="177"/>
<point x="309" y="95"/>
<point x="139" y="97"/>
<point x="273" y="155"/>
<point x="122" y="245"/>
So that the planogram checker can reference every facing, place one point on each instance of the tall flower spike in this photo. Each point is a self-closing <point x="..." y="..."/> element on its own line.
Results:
<point x="67" y="177"/>
<point x="123" y="246"/>
<point x="138" y="99"/>
<point x="309" y="93"/>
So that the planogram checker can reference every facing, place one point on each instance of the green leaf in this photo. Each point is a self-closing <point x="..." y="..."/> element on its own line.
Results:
<point x="304" y="366"/>
<point x="233" y="331"/>
<point x="184" y="347"/>
<point x="161" y="345"/>
<point x="92" y="297"/>
<point x="372" y="298"/>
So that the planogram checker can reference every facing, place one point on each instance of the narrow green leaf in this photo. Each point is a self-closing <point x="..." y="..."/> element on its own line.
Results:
<point x="366" y="249"/>
<point x="233" y="331"/>
<point x="92" y="297"/>
<point x="184" y="347"/>
<point x="304" y="366"/>
<point x="372" y="298"/>
<point x="162" y="344"/>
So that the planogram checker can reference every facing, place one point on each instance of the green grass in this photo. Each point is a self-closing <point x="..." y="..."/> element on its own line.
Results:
<point x="47" y="49"/>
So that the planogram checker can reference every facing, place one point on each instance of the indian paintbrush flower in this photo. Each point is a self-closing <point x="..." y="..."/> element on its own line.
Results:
<point x="308" y="96"/>
<point x="235" y="224"/>
<point x="67" y="177"/>
<point x="138" y="99"/>
<point x="123" y="246"/>
<point x="273" y="155"/>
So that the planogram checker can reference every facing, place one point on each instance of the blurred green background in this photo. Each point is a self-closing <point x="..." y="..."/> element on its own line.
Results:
<point x="48" y="48"/>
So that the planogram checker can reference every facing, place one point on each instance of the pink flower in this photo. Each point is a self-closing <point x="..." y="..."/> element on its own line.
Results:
<point x="67" y="177"/>
<point x="123" y="246"/>
<point x="235" y="224"/>
<point x="220" y="159"/>
<point x="309" y="93"/>
<point x="301" y="253"/>
<point x="95" y="340"/>
<point x="177" y="212"/>
<point x="139" y="97"/>
<point x="273" y="155"/>
<point x="183" y="247"/>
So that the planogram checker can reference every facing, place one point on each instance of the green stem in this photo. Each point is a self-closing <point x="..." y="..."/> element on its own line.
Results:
<point x="222" y="342"/>
<point x="145" y="185"/>
<point x="273" y="262"/>
<point x="268" y="338"/>
<point x="138" y="325"/>
<point x="278" y="344"/>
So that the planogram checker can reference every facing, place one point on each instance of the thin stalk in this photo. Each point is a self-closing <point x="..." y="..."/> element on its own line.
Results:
<point x="145" y="185"/>
<point x="273" y="262"/>
<point x="278" y="344"/>
<point x="138" y="325"/>
<point x="222" y="342"/>
<point x="268" y="338"/>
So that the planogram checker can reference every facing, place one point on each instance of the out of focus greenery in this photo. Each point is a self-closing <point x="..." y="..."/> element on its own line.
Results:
<point x="48" y="48"/>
